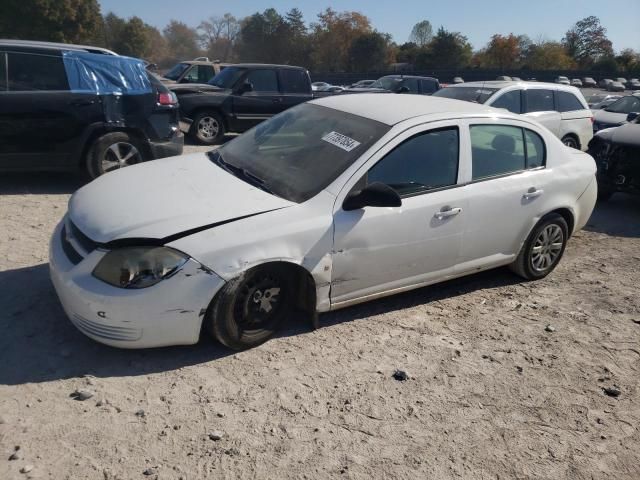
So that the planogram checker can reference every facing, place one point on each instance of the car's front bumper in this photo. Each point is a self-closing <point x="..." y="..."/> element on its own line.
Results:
<point x="168" y="313"/>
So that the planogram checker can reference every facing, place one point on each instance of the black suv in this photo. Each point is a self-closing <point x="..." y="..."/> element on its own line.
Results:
<point x="239" y="97"/>
<point x="401" y="84"/>
<point x="47" y="122"/>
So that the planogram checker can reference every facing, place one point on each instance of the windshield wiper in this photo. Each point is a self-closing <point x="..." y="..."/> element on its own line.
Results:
<point x="216" y="157"/>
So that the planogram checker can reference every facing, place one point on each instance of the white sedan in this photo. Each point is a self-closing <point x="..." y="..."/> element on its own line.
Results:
<point x="333" y="202"/>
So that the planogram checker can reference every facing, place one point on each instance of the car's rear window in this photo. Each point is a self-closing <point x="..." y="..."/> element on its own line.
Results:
<point x="469" y="94"/>
<point x="567" y="102"/>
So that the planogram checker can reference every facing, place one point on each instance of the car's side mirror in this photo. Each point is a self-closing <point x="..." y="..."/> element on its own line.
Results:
<point x="376" y="194"/>
<point x="245" y="87"/>
<point x="632" y="116"/>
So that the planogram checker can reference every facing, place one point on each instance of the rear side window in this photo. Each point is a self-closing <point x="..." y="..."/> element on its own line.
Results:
<point x="263" y="80"/>
<point x="511" y="101"/>
<point x="428" y="86"/>
<point x="35" y="72"/>
<point x="567" y="102"/>
<point x="3" y="71"/>
<point x="501" y="149"/>
<point x="539" y="100"/>
<point x="294" y="81"/>
<point x="411" y="84"/>
<point x="423" y="162"/>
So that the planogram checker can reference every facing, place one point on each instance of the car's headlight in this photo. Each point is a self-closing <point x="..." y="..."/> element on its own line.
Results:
<point x="138" y="267"/>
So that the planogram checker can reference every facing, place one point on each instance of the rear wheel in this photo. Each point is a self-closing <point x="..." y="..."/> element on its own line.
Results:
<point x="543" y="249"/>
<point x="208" y="128"/>
<point x="249" y="309"/>
<point x="111" y="152"/>
<point x="570" y="141"/>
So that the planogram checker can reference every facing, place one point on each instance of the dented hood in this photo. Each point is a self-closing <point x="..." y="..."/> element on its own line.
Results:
<point x="165" y="198"/>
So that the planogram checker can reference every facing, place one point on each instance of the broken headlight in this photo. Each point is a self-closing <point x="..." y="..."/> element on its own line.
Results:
<point x="139" y="267"/>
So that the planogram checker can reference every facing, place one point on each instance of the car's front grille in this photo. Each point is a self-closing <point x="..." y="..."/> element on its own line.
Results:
<point x="85" y="242"/>
<point x="71" y="253"/>
<point x="108" y="332"/>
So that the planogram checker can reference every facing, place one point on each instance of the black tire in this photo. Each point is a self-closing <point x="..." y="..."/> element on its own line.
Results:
<point x="238" y="316"/>
<point x="525" y="265"/>
<point x="570" y="141"/>
<point x="207" y="128"/>
<point x="113" y="151"/>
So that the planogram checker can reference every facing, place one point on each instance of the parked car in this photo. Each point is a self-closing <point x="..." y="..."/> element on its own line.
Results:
<point x="562" y="80"/>
<point x="604" y="83"/>
<point x="401" y="84"/>
<point x="621" y="80"/>
<point x="503" y="78"/>
<point x="615" y="86"/>
<point x="560" y="108"/>
<point x="71" y="107"/>
<point x="457" y="80"/>
<point x="240" y="97"/>
<point x="617" y="155"/>
<point x="576" y="82"/>
<point x="634" y="84"/>
<point x="616" y="114"/>
<point x="326" y="87"/>
<point x="599" y="100"/>
<point x="315" y="86"/>
<point x="516" y="79"/>
<point x="200" y="70"/>
<point x="589" y="82"/>
<point x="362" y="84"/>
<point x="334" y="202"/>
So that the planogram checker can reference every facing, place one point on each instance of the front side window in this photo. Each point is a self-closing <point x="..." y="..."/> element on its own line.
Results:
<point x="410" y="83"/>
<point x="539" y="100"/>
<point x="227" y="78"/>
<point x="199" y="74"/>
<point x="509" y="101"/>
<point x="35" y="72"/>
<point x="263" y="80"/>
<point x="625" y="105"/>
<point x="567" y="102"/>
<point x="176" y="71"/>
<point x="423" y="162"/>
<point x="294" y="81"/>
<point x="501" y="149"/>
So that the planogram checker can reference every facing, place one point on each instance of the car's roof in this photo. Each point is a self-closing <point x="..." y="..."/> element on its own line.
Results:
<point x="205" y="62"/>
<point x="409" y="76"/>
<point x="266" y="65"/>
<point x="394" y="108"/>
<point x="53" y="46"/>
<point x="499" y="84"/>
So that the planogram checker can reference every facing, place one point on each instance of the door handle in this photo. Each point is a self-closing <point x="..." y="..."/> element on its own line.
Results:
<point x="533" y="192"/>
<point x="447" y="212"/>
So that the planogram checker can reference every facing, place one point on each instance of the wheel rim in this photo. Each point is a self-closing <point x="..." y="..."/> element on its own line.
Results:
<point x="547" y="248"/>
<point x="120" y="155"/>
<point x="259" y="303"/>
<point x="208" y="127"/>
<point x="570" y="142"/>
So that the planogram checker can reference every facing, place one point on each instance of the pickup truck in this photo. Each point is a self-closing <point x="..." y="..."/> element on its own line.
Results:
<point x="238" y="98"/>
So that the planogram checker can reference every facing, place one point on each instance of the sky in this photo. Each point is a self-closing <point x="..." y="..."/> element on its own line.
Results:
<point x="477" y="19"/>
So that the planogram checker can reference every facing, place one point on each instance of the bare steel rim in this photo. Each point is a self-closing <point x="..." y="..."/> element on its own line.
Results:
<point x="547" y="247"/>
<point x="570" y="142"/>
<point x="120" y="155"/>
<point x="208" y="127"/>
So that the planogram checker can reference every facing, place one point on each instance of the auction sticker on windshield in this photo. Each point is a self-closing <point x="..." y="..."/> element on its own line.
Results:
<point x="341" y="141"/>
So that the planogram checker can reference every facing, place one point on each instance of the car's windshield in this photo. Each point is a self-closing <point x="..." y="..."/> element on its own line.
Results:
<point x="299" y="152"/>
<point x="469" y="94"/>
<point x="176" y="71"/>
<point x="228" y="77"/>
<point x="387" y="83"/>
<point x="625" y="105"/>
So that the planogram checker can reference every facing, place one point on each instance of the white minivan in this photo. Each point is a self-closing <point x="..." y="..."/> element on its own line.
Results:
<point x="560" y="108"/>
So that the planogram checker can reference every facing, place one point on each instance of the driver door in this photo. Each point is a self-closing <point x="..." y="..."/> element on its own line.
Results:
<point x="260" y="103"/>
<point x="381" y="249"/>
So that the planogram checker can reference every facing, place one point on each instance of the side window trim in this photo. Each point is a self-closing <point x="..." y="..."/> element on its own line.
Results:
<point x="5" y="80"/>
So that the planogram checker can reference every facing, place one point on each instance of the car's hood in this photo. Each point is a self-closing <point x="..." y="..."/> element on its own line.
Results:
<point x="628" y="135"/>
<point x="165" y="198"/>
<point x="196" y="87"/>
<point x="610" y="118"/>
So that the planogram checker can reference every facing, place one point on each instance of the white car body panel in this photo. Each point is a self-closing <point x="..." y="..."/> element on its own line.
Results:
<point x="351" y="256"/>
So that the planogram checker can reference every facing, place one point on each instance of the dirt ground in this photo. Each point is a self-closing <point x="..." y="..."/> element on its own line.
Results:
<point x="492" y="393"/>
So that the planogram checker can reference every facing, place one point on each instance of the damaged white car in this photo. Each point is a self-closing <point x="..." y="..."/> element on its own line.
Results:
<point x="331" y="203"/>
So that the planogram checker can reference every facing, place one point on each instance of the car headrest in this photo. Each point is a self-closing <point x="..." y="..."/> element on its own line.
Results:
<point x="504" y="143"/>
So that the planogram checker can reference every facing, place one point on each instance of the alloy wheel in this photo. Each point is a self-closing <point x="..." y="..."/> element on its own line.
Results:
<point x="208" y="127"/>
<point x="120" y="155"/>
<point x="547" y="248"/>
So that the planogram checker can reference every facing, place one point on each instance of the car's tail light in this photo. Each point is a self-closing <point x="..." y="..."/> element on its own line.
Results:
<point x="167" y="98"/>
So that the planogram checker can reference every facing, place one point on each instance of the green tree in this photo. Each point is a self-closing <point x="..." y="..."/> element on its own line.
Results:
<point x="368" y="52"/>
<point x="628" y="60"/>
<point x="446" y="50"/>
<point x="69" y="21"/>
<point x="264" y="37"/>
<point x="587" y="42"/>
<point x="182" y="41"/>
<point x="299" y="43"/>
<point x="549" y="56"/>
<point x="421" y="33"/>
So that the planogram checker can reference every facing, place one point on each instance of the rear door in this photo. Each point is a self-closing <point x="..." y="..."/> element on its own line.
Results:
<point x="295" y="86"/>
<point x="539" y="104"/>
<point x="41" y="121"/>
<point x="261" y="102"/>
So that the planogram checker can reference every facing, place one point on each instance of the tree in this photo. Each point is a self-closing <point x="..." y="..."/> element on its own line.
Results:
<point x="299" y="44"/>
<point x="407" y="53"/>
<point x="422" y="33"/>
<point x="446" y="50"/>
<point x="549" y="56"/>
<point x="182" y="41"/>
<point x="628" y="60"/>
<point x="69" y="21"/>
<point x="587" y="41"/>
<point x="219" y="35"/>
<point x="264" y="37"/>
<point x="368" y="52"/>
<point x="502" y="52"/>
